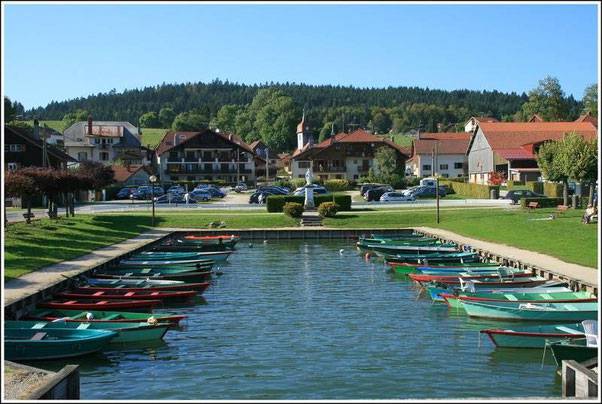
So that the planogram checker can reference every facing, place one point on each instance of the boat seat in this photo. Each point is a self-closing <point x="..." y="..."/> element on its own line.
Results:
<point x="99" y="293"/>
<point x="102" y="302"/>
<point x="129" y="294"/>
<point x="112" y="316"/>
<point x="591" y="332"/>
<point x="38" y="336"/>
<point x="38" y="326"/>
<point x="568" y="330"/>
<point x="510" y="297"/>
<point x="120" y="286"/>
<point x="71" y="302"/>
<point x="83" y="326"/>
<point x="145" y="271"/>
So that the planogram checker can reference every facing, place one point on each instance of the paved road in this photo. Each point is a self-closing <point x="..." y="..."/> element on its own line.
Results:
<point x="118" y="206"/>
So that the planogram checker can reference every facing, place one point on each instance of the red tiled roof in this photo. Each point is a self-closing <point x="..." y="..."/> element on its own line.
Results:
<point x="486" y="119"/>
<point x="515" y="154"/>
<point x="122" y="173"/>
<point x="254" y="144"/>
<point x="505" y="136"/>
<point x="535" y="118"/>
<point x="588" y="118"/>
<point x="444" y="146"/>
<point x="357" y="136"/>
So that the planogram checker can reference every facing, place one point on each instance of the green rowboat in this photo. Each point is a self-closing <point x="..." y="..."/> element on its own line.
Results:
<point x="532" y="311"/>
<point x="455" y="301"/>
<point x="98" y="316"/>
<point x="34" y="344"/>
<point x="126" y="332"/>
<point x="534" y="336"/>
<point x="573" y="349"/>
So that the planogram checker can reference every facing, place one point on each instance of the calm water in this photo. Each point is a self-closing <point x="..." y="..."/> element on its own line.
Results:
<point x="299" y="320"/>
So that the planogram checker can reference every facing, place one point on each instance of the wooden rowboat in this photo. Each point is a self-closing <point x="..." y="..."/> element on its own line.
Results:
<point x="104" y="316"/>
<point x="164" y="263"/>
<point x="126" y="332"/>
<point x="114" y="305"/>
<point x="207" y="255"/>
<point x="532" y="311"/>
<point x="575" y="349"/>
<point x="115" y="294"/>
<point x="151" y="271"/>
<point x="141" y="285"/>
<point x="33" y="344"/>
<point x="200" y="276"/>
<point x="455" y="301"/>
<point x="534" y="336"/>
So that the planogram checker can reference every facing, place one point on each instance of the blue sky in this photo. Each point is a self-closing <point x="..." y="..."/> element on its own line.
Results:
<point x="57" y="52"/>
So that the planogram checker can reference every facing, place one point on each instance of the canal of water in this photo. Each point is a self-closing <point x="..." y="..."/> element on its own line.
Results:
<point x="304" y="320"/>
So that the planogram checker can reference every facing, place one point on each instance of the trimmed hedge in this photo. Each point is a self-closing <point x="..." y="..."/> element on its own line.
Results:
<point x="328" y="209"/>
<point x="543" y="202"/>
<point x="275" y="203"/>
<point x="471" y="190"/>
<point x="512" y="184"/>
<point x="535" y="186"/>
<point x="553" y="189"/>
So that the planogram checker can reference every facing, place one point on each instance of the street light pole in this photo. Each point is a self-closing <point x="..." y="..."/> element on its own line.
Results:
<point x="152" y="180"/>
<point x="437" y="179"/>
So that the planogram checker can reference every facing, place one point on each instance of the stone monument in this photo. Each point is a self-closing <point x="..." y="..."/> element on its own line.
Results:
<point x="309" y="192"/>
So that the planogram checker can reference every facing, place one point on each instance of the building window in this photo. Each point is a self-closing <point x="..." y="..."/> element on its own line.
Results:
<point x="445" y="175"/>
<point x="355" y="176"/>
<point x="304" y="164"/>
<point x="96" y="140"/>
<point x="426" y="167"/>
<point x="173" y="155"/>
<point x="82" y="155"/>
<point x="110" y="141"/>
<point x="459" y="175"/>
<point x="442" y="166"/>
<point x="458" y="166"/>
<point x="300" y="176"/>
<point x="15" y="148"/>
<point x="12" y="166"/>
<point x="338" y="176"/>
<point x="104" y="156"/>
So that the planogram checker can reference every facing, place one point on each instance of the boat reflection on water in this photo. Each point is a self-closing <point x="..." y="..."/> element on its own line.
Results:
<point x="521" y="356"/>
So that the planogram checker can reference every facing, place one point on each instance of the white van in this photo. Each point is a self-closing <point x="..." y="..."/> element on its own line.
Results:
<point x="428" y="182"/>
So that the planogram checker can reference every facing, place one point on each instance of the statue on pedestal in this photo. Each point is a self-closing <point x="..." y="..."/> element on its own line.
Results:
<point x="309" y="192"/>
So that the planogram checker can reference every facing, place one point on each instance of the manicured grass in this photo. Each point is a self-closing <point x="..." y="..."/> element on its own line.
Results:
<point x="59" y="126"/>
<point x="46" y="242"/>
<point x="403" y="140"/>
<point x="152" y="136"/>
<point x="565" y="238"/>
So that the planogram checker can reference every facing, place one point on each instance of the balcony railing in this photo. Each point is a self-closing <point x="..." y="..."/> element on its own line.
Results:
<point x="183" y="169"/>
<point x="330" y="169"/>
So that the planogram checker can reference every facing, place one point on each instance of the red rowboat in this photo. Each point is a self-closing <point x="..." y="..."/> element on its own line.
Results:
<point x="113" y="305"/>
<point x="86" y="293"/>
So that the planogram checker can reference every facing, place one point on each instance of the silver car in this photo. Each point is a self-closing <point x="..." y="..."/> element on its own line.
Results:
<point x="397" y="197"/>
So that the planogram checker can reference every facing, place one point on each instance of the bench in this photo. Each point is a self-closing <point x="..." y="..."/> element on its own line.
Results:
<point x="533" y="205"/>
<point x="561" y="208"/>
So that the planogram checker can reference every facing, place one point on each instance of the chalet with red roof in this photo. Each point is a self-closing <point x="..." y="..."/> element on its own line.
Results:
<point x="473" y="121"/>
<point x="439" y="153"/>
<point x="342" y="156"/>
<point x="205" y="155"/>
<point x="510" y="147"/>
<point x="133" y="174"/>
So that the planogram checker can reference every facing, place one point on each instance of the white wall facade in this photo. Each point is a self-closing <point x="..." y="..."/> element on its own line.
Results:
<point x="480" y="159"/>
<point x="446" y="165"/>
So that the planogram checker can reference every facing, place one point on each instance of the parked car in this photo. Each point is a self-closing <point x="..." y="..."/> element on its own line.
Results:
<point x="260" y="196"/>
<point x="176" y="189"/>
<point x="516" y="194"/>
<point x="199" y="195"/>
<point x="426" y="192"/>
<point x="124" y="193"/>
<point x="144" y="192"/>
<point x="374" y="194"/>
<point x="318" y="189"/>
<point x="365" y="187"/>
<point x="274" y="189"/>
<point x="215" y="192"/>
<point x="396" y="197"/>
<point x="171" y="197"/>
<point x="240" y="187"/>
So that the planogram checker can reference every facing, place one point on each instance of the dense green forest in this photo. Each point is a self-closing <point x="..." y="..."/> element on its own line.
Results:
<point x="271" y="110"/>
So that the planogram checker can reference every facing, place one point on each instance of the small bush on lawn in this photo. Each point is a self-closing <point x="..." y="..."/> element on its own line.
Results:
<point x="293" y="209"/>
<point x="328" y="209"/>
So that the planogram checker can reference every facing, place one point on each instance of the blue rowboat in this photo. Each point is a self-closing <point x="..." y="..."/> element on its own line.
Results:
<point x="532" y="311"/>
<point x="34" y="344"/>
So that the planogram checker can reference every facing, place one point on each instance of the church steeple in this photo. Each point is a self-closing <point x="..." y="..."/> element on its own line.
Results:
<point x="303" y="135"/>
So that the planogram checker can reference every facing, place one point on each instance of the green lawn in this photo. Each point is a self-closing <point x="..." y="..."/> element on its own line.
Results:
<point x="565" y="238"/>
<point x="403" y="140"/>
<point x="152" y="136"/>
<point x="59" y="126"/>
<point x="45" y="242"/>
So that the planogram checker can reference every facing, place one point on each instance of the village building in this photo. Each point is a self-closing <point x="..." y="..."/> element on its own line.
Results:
<point x="107" y="142"/>
<point x="342" y="156"/>
<point x="262" y="153"/>
<point x="473" y="122"/>
<point x="439" y="153"/>
<point x="24" y="150"/>
<point x="205" y="155"/>
<point x="510" y="147"/>
<point x="131" y="175"/>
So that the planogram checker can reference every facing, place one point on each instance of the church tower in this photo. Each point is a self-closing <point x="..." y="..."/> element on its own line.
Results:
<point x="303" y="135"/>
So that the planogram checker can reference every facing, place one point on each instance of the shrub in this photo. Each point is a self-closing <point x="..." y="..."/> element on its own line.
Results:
<point x="513" y="184"/>
<point x="535" y="186"/>
<point x="328" y="209"/>
<point x="275" y="203"/>
<point x="543" y="202"/>
<point x="284" y="183"/>
<point x="552" y="189"/>
<point x="337" y="185"/>
<point x="343" y="201"/>
<point x="293" y="209"/>
<point x="297" y="182"/>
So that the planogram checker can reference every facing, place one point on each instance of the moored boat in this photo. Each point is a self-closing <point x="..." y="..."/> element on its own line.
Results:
<point x="150" y="271"/>
<point x="532" y="311"/>
<point x="402" y="259"/>
<point x="165" y="263"/>
<point x="34" y="344"/>
<point x="113" y="305"/>
<point x="575" y="349"/>
<point x="104" y="316"/>
<point x="142" y="284"/>
<point x="455" y="301"/>
<point x="126" y="332"/>
<point x="435" y="290"/>
<point x="206" y="255"/>
<point x="534" y="336"/>
<point x="199" y="276"/>
<point x="115" y="294"/>
<point x="407" y="249"/>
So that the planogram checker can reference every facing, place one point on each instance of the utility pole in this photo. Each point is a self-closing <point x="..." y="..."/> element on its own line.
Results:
<point x="237" y="165"/>
<point x="436" y="153"/>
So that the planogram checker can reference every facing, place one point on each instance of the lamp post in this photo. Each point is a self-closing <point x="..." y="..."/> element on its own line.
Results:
<point x="152" y="180"/>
